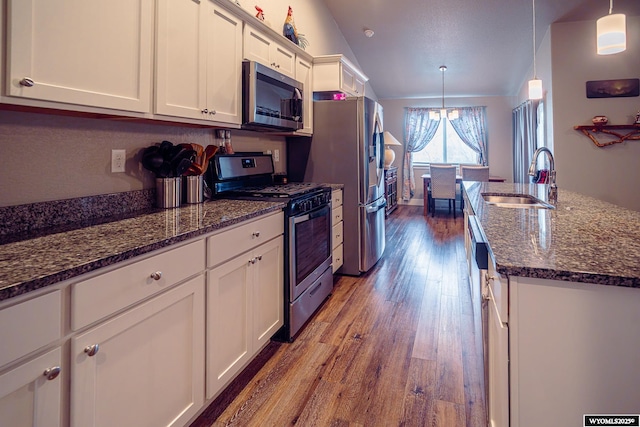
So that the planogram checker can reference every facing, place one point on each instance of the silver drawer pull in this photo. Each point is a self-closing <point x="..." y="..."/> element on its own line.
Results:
<point x="259" y="257"/>
<point x="52" y="373"/>
<point x="92" y="350"/>
<point x="212" y="112"/>
<point x="252" y="261"/>
<point x="157" y="275"/>
<point x="27" y="82"/>
<point x="256" y="234"/>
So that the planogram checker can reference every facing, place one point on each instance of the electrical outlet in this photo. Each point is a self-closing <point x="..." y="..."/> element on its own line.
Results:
<point x="118" y="159"/>
<point x="276" y="155"/>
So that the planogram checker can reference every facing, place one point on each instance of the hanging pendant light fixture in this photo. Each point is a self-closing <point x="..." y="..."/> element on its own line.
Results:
<point x="535" y="85"/>
<point x="611" y="31"/>
<point x="450" y="114"/>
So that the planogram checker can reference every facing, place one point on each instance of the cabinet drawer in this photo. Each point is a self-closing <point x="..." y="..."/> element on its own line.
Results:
<point x="112" y="291"/>
<point x="29" y="326"/>
<point x="336" y="198"/>
<point x="337" y="257"/>
<point x="336" y="237"/>
<point x="227" y="244"/>
<point x="336" y="215"/>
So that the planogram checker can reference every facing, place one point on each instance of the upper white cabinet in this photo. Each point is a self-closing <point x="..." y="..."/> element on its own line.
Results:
<point x="199" y="61"/>
<point x="265" y="50"/>
<point x="96" y="54"/>
<point x="304" y="74"/>
<point x="337" y="73"/>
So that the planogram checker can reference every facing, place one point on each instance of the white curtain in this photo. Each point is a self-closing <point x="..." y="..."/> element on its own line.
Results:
<point x="524" y="139"/>
<point x="419" y="130"/>
<point x="471" y="127"/>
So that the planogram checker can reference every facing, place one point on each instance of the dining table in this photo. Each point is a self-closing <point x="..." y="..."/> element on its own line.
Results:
<point x="426" y="180"/>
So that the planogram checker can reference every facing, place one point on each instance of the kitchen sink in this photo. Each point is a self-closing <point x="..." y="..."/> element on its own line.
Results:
<point x="524" y="201"/>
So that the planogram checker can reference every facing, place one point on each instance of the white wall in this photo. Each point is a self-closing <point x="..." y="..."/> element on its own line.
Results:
<point x="499" y="131"/>
<point x="611" y="173"/>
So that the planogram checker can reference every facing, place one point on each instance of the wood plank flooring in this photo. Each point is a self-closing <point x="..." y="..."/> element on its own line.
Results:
<point x="398" y="346"/>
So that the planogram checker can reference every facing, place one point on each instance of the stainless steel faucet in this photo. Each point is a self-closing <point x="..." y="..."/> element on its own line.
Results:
<point x="553" y="188"/>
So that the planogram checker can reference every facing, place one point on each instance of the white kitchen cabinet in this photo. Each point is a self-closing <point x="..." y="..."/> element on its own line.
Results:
<point x="30" y="394"/>
<point x="264" y="49"/>
<point x="498" y="348"/>
<point x="144" y="367"/>
<point x="79" y="53"/>
<point x="335" y="73"/>
<point x="245" y="301"/>
<point x="574" y="350"/>
<point x="304" y="74"/>
<point x="198" y="61"/>
<point x="337" y="227"/>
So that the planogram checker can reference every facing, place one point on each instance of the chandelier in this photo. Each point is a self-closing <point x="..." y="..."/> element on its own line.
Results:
<point x="449" y="114"/>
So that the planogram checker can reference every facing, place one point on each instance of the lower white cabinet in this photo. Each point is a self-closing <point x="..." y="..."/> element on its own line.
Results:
<point x="245" y="307"/>
<point x="337" y="226"/>
<point x="30" y="393"/>
<point x="144" y="367"/>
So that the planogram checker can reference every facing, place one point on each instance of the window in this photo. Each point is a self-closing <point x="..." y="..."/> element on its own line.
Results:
<point x="445" y="147"/>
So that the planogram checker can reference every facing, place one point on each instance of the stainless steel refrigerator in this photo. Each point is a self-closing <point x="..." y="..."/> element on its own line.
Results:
<point x="347" y="148"/>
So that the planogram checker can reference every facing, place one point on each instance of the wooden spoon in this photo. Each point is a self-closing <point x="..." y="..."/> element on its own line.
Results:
<point x="209" y="152"/>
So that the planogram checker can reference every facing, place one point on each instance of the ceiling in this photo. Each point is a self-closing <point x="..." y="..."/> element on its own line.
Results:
<point x="487" y="45"/>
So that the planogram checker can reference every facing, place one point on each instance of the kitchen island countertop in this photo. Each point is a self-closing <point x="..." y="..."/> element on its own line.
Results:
<point x="582" y="240"/>
<point x="34" y="263"/>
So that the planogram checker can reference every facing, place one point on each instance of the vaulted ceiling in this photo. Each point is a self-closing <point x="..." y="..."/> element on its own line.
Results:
<point x="487" y="45"/>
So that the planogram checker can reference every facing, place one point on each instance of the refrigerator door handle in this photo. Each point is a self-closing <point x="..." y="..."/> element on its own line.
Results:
<point x="375" y="207"/>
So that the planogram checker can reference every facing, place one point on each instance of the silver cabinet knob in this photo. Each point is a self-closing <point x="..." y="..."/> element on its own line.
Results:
<point x="273" y="64"/>
<point x="212" y="112"/>
<point x="255" y="234"/>
<point x="157" y="275"/>
<point x="252" y="261"/>
<point x="205" y="111"/>
<point x="259" y="257"/>
<point x="52" y="373"/>
<point x="27" y="82"/>
<point x="92" y="350"/>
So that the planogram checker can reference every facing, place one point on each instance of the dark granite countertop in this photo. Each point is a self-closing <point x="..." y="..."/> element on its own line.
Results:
<point x="582" y="240"/>
<point x="34" y="263"/>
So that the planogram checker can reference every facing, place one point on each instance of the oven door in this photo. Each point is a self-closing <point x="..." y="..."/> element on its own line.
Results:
<point x="309" y="248"/>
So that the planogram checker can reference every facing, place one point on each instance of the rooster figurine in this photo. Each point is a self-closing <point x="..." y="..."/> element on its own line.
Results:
<point x="289" y="31"/>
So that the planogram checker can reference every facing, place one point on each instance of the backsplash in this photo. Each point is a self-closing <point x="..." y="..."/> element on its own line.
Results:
<point x="22" y="221"/>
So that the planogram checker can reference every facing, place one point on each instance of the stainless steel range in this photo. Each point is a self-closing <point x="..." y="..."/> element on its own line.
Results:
<point x="307" y="251"/>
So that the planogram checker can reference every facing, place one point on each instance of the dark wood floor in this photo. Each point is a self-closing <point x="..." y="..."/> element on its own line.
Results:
<point x="398" y="346"/>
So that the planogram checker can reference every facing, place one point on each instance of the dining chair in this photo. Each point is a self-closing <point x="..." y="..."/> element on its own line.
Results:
<point x="473" y="173"/>
<point x="442" y="186"/>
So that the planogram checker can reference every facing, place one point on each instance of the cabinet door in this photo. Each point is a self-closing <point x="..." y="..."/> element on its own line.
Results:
<point x="30" y="398"/>
<point x="304" y="74"/>
<point x="86" y="53"/>
<point x="348" y="80"/>
<point x="224" y="66"/>
<point x="268" y="291"/>
<point x="181" y="59"/>
<point x="229" y="299"/>
<point x="284" y="59"/>
<point x="261" y="48"/>
<point x="144" y="367"/>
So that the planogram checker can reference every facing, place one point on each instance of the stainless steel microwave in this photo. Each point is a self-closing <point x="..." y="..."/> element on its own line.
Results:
<point x="270" y="100"/>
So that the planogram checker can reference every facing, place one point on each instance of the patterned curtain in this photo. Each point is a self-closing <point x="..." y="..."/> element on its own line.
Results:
<point x="524" y="140"/>
<point x="419" y="130"/>
<point x="471" y="126"/>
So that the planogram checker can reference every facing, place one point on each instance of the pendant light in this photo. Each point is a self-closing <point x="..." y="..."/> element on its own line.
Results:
<point x="452" y="114"/>
<point x="535" y="85"/>
<point x="611" y="31"/>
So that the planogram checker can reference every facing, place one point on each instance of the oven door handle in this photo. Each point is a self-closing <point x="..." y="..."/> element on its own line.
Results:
<point x="324" y="210"/>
